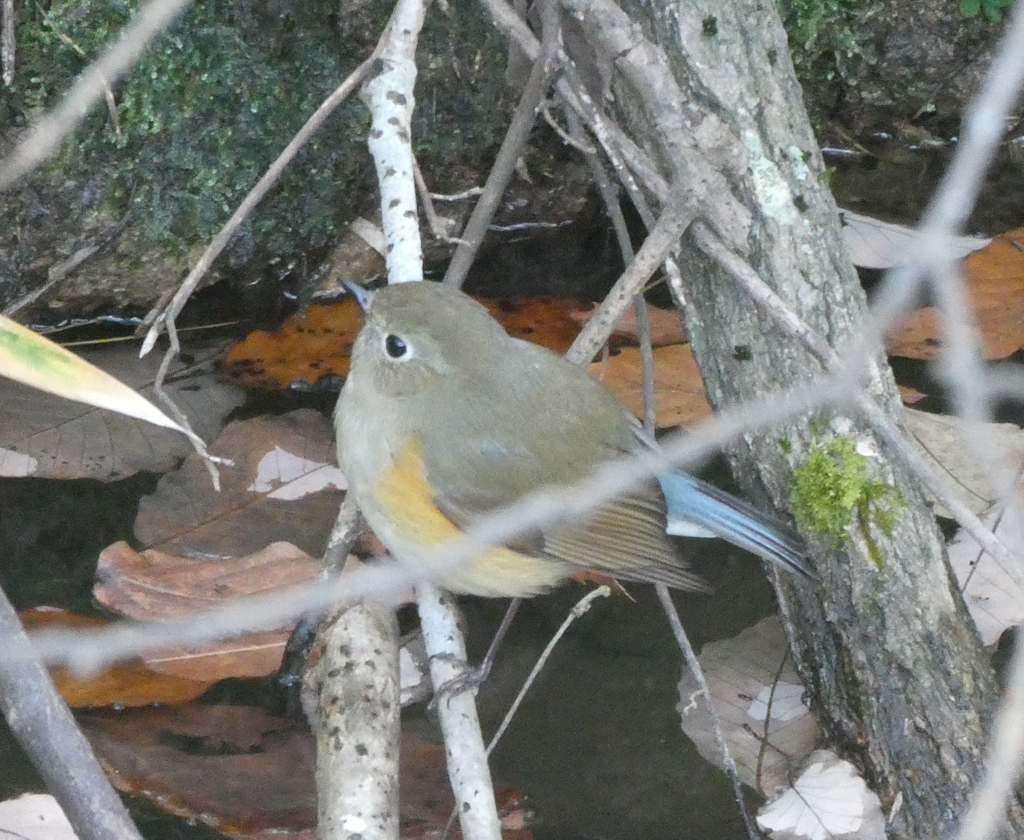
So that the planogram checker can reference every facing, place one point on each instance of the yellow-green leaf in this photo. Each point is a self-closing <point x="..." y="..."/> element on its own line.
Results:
<point x="35" y="360"/>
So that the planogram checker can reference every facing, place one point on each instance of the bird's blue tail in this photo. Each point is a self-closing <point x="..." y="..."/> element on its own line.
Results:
<point x="732" y="519"/>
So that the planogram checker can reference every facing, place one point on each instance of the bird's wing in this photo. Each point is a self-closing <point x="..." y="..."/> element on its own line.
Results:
<point x="626" y="540"/>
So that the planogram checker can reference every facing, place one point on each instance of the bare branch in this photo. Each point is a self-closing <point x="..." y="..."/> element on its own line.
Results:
<point x="660" y="241"/>
<point x="46" y="729"/>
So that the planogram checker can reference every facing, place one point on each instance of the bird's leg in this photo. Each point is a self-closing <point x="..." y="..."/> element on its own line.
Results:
<point x="473" y="678"/>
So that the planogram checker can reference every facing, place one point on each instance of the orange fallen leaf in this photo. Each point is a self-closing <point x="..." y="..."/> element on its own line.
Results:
<point x="318" y="342"/>
<point x="152" y="585"/>
<point x="995" y="283"/>
<point x="666" y="326"/>
<point x="133" y="683"/>
<point x="547" y="321"/>
<point x="308" y="346"/>
<point x="679" y="389"/>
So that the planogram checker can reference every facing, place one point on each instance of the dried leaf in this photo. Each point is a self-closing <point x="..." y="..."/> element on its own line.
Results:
<point x="873" y="243"/>
<point x="284" y="487"/>
<point x="250" y="775"/>
<point x="759" y="699"/>
<point x="127" y="684"/>
<point x="34" y="816"/>
<point x="941" y="439"/>
<point x="829" y="800"/>
<point x="152" y="585"/>
<point x="994" y="593"/>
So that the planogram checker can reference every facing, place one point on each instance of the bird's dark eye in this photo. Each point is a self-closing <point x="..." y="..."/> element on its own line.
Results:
<point x="395" y="347"/>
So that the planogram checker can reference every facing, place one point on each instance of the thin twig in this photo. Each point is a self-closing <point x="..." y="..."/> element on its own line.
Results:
<point x="108" y="93"/>
<point x="576" y="140"/>
<point x="511" y="148"/>
<point x="472" y="192"/>
<point x="716" y="723"/>
<point x="581" y="608"/>
<point x="662" y="239"/>
<point x="8" y="42"/>
<point x="643" y="326"/>
<point x="436" y="223"/>
<point x="610" y="199"/>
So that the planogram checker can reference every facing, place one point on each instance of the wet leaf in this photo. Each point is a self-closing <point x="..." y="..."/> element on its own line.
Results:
<point x="995" y="283"/>
<point x="250" y="775"/>
<point x="152" y="585"/>
<point x="307" y="347"/>
<point x="548" y="321"/>
<point x="317" y="343"/>
<point x="133" y="683"/>
<point x="48" y="437"/>
<point x="233" y="768"/>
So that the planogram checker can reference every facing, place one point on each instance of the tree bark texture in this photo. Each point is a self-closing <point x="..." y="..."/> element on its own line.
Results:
<point x="357" y="725"/>
<point x="897" y="672"/>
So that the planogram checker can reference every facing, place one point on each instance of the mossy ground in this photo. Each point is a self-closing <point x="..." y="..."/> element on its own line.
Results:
<point x="217" y="97"/>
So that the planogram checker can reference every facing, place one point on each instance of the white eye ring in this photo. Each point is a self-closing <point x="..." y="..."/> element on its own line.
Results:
<point x="396" y="348"/>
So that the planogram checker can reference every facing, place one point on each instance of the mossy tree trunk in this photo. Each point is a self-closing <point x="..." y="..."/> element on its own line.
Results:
<point x="899" y="678"/>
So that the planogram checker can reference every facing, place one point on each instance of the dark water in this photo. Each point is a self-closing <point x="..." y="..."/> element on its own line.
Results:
<point x="894" y="178"/>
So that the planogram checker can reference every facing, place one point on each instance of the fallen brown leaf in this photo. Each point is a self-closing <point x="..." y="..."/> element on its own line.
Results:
<point x="153" y="585"/>
<point x="250" y="775"/>
<point x="995" y="284"/>
<point x="284" y="486"/>
<point x="318" y="342"/>
<point x="128" y="684"/>
<point x="307" y="347"/>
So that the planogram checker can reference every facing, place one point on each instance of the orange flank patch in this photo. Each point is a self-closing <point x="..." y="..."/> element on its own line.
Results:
<point x="409" y="501"/>
<point x="407" y="498"/>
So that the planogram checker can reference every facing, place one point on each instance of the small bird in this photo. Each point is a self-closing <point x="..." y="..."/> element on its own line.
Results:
<point x="445" y="417"/>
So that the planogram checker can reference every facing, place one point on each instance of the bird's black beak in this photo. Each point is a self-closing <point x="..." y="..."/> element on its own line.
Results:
<point x="364" y="297"/>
